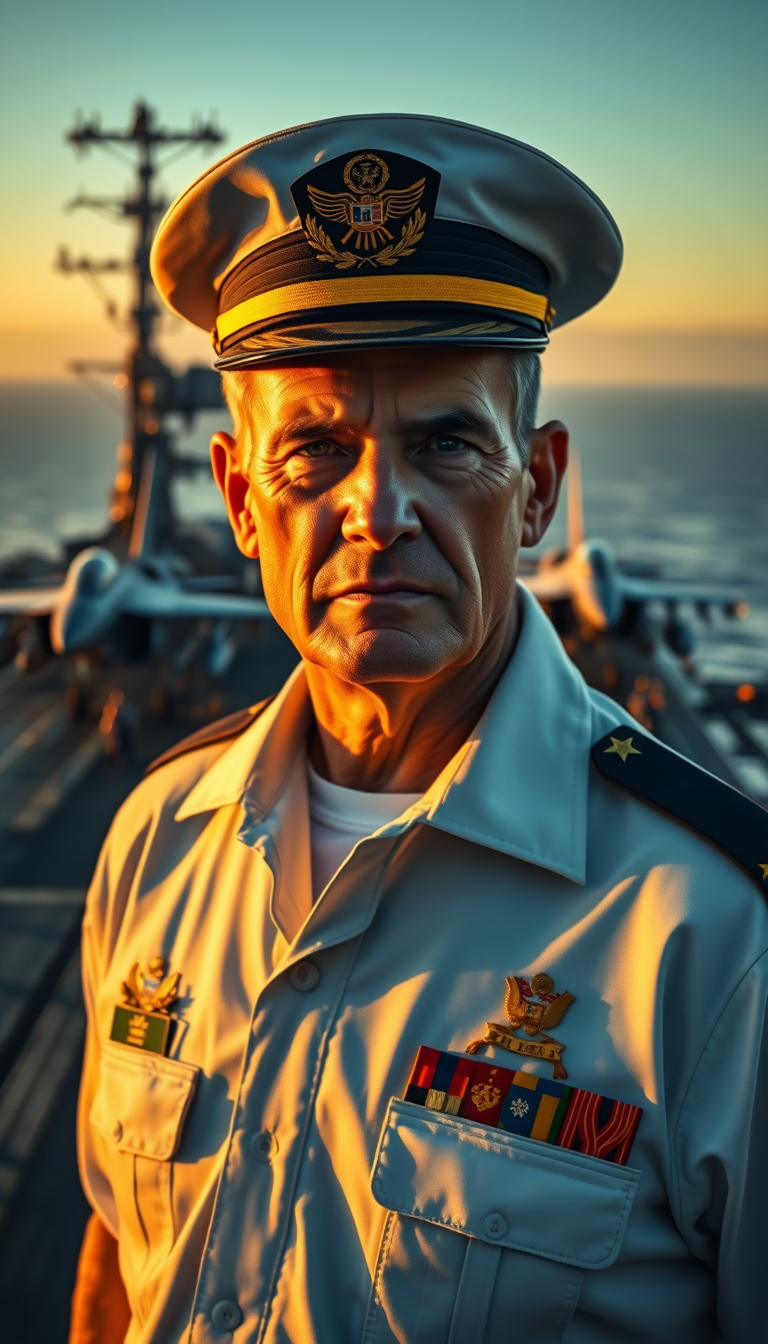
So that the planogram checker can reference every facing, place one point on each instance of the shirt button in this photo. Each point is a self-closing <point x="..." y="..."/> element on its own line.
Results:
<point x="304" y="976"/>
<point x="494" y="1226"/>
<point x="226" y="1315"/>
<point x="117" y="1132"/>
<point x="263" y="1145"/>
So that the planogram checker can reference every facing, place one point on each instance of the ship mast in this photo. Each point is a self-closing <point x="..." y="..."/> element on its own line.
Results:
<point x="141" y="505"/>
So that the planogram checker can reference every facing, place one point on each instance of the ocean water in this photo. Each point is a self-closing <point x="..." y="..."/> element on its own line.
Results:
<point x="673" y="478"/>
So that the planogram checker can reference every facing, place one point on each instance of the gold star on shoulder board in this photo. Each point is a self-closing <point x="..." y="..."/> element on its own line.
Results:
<point x="622" y="748"/>
<point x="764" y="867"/>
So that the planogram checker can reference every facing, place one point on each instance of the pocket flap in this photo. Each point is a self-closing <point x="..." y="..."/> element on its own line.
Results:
<point x="502" y="1188"/>
<point x="142" y="1100"/>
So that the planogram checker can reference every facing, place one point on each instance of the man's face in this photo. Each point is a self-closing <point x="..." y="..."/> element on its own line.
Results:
<point x="385" y="497"/>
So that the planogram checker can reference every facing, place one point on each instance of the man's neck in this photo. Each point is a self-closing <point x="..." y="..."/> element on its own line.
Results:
<point x="396" y="737"/>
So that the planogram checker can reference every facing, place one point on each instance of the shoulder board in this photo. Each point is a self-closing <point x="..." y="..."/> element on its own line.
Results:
<point x="219" y="731"/>
<point x="728" y="819"/>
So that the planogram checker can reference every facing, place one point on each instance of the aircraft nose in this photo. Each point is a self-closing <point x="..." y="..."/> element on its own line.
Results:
<point x="603" y="569"/>
<point x="59" y="629"/>
<point x="97" y="570"/>
<point x="72" y="623"/>
<point x="79" y="618"/>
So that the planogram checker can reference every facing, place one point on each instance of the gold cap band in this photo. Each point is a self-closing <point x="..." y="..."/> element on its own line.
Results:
<point x="314" y="294"/>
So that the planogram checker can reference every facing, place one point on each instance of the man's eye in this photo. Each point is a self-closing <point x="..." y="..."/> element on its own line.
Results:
<point x="447" y="443"/>
<point x="320" y="449"/>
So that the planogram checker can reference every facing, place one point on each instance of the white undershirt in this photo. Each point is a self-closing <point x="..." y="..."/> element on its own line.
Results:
<point x="339" y="817"/>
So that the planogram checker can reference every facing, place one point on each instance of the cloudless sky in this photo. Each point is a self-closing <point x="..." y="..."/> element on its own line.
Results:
<point x="660" y="105"/>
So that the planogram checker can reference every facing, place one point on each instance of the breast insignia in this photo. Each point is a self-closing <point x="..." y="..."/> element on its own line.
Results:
<point x="152" y="989"/>
<point x="534" y="1008"/>
<point x="144" y="1018"/>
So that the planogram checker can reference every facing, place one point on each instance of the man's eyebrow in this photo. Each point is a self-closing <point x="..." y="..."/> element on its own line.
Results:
<point x="451" y="420"/>
<point x="304" y="427"/>
<point x="454" y="420"/>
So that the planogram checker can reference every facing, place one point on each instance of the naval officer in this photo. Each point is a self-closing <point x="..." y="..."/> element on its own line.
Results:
<point x="426" y="1001"/>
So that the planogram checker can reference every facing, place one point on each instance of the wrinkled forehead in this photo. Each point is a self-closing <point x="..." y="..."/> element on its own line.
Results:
<point x="357" y="386"/>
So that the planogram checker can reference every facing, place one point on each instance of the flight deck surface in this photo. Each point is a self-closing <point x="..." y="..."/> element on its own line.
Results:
<point x="58" y="794"/>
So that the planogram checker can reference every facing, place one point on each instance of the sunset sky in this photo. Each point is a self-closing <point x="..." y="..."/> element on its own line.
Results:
<point x="660" y="106"/>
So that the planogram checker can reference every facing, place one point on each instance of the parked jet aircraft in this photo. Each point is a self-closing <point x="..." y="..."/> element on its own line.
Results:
<point x="106" y="601"/>
<point x="602" y="596"/>
<point x="98" y="590"/>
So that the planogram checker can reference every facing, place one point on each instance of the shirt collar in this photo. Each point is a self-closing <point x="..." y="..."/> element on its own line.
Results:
<point x="255" y="769"/>
<point x="518" y="784"/>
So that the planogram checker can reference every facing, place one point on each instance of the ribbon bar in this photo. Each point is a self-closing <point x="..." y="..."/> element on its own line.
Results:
<point x="524" y="1103"/>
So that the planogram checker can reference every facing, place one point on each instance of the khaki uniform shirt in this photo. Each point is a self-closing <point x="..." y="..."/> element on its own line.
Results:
<point x="265" y="1183"/>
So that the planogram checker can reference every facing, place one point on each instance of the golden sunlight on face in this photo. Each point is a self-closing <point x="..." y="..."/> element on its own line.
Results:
<point x="384" y="495"/>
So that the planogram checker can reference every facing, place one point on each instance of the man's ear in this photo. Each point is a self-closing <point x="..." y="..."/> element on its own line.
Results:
<point x="235" y="488"/>
<point x="546" y="467"/>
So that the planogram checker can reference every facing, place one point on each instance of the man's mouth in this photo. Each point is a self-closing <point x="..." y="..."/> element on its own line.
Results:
<point x="392" y="589"/>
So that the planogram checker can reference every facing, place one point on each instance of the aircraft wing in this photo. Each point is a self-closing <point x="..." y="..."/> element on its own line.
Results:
<point x="549" y="585"/>
<point x="655" y="590"/>
<point x="151" y="598"/>
<point x="28" y="601"/>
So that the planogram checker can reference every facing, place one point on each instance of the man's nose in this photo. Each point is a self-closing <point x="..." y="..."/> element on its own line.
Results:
<point x="379" y="499"/>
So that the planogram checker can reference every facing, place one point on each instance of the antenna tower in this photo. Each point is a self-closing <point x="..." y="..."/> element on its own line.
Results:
<point x="140" y="504"/>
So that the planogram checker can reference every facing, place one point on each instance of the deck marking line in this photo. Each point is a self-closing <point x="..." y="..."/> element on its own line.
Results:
<point x="28" y="896"/>
<point x="54" y="718"/>
<point x="44" y="800"/>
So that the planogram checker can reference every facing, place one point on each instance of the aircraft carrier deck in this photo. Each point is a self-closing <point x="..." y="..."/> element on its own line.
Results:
<point x="58" y="794"/>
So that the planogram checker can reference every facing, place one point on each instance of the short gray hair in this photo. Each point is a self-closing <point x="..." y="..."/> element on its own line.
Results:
<point x="524" y="372"/>
<point x="235" y="389"/>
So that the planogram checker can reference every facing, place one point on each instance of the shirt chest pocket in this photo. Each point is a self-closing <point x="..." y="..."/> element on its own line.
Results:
<point x="488" y="1235"/>
<point x="142" y="1101"/>
<point x="139" y="1110"/>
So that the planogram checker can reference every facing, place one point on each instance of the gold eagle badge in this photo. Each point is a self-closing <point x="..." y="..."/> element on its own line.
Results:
<point x="152" y="989"/>
<point x="359" y="217"/>
<point x="534" y="1008"/>
<point x="144" y="1019"/>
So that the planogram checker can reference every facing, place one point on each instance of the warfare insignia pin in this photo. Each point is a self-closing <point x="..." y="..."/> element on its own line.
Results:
<point x="352" y="229"/>
<point x="534" y="1008"/>
<point x="144" y="1018"/>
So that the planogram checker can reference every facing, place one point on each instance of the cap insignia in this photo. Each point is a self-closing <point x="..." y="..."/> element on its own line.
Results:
<point x="531" y="1007"/>
<point x="357" y="233"/>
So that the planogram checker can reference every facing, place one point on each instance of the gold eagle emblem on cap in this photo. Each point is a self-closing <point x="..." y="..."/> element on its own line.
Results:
<point x="366" y="209"/>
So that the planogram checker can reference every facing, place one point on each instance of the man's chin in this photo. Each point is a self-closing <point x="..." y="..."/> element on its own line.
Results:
<point x="381" y="655"/>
